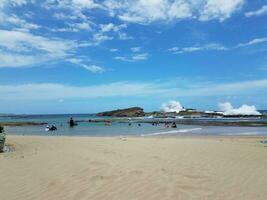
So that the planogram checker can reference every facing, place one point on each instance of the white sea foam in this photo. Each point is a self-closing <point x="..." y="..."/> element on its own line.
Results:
<point x="172" y="106"/>
<point x="172" y="132"/>
<point x="228" y="109"/>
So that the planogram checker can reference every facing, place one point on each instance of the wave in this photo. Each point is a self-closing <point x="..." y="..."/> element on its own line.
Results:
<point x="244" y="133"/>
<point x="172" y="132"/>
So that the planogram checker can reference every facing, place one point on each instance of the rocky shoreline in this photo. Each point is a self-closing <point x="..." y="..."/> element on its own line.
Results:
<point x="22" y="123"/>
<point x="186" y="113"/>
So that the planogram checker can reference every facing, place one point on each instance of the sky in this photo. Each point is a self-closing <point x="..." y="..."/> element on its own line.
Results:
<point x="86" y="56"/>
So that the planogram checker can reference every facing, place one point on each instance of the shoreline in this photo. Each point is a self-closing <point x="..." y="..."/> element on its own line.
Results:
<point x="164" y="135"/>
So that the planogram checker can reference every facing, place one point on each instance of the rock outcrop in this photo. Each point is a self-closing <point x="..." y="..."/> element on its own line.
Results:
<point x="128" y="112"/>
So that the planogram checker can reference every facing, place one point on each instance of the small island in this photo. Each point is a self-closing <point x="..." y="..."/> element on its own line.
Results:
<point x="128" y="112"/>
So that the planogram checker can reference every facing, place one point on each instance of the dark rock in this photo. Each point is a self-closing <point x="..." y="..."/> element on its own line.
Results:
<point x="128" y="112"/>
<point x="22" y="123"/>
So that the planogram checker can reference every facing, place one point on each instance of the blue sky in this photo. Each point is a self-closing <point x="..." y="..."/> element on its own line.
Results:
<point x="80" y="56"/>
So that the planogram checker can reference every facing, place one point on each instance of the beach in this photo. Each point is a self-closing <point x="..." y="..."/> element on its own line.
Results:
<point x="127" y="168"/>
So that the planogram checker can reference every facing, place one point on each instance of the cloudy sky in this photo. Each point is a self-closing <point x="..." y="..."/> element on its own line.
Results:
<point x="79" y="56"/>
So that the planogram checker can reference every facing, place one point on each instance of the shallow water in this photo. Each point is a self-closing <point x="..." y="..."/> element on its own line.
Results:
<point x="116" y="129"/>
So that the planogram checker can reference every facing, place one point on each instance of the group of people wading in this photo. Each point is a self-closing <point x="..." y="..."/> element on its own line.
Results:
<point x="72" y="123"/>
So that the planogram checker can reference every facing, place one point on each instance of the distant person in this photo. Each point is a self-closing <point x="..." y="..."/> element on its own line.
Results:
<point x="2" y="138"/>
<point x="47" y="128"/>
<point x="53" y="128"/>
<point x="166" y="125"/>
<point x="139" y="124"/>
<point x="71" y="122"/>
<point x="174" y="125"/>
<point x="108" y="123"/>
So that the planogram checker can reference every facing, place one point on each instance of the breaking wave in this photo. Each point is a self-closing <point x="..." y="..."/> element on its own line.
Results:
<point x="172" y="132"/>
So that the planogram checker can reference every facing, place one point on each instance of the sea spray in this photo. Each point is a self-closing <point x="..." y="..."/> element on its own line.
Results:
<point x="228" y="109"/>
<point x="172" y="106"/>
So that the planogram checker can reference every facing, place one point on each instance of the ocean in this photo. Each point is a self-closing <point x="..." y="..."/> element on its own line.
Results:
<point x="86" y="128"/>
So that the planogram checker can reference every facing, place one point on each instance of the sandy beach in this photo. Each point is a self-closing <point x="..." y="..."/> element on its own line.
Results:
<point x="130" y="168"/>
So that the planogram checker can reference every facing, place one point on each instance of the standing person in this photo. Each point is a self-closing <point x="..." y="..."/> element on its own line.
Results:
<point x="71" y="122"/>
<point x="174" y="125"/>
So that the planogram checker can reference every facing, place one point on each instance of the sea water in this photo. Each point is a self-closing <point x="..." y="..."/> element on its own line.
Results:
<point x="86" y="128"/>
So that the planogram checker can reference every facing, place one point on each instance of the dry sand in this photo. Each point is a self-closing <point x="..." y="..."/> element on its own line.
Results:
<point x="55" y="168"/>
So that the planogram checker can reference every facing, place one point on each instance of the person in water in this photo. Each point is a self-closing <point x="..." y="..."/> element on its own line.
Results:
<point x="71" y="122"/>
<point x="53" y="128"/>
<point x="174" y="125"/>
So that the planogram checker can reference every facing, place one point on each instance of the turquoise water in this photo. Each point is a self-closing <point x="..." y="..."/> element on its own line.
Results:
<point x="116" y="129"/>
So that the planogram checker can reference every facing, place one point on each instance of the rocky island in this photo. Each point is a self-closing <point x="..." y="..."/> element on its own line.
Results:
<point x="128" y="112"/>
<point x="186" y="117"/>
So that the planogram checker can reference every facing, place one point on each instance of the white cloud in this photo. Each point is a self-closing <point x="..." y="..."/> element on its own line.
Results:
<point x="70" y="4"/>
<point x="63" y="16"/>
<point x="81" y="26"/>
<point x="147" y="11"/>
<point x="18" y="41"/>
<point x="135" y="49"/>
<point x="164" y="88"/>
<point x="228" y="109"/>
<point x="18" y="49"/>
<point x="109" y="31"/>
<point x="207" y="47"/>
<point x="253" y="42"/>
<point x="12" y="3"/>
<point x="215" y="46"/>
<point x="174" y="49"/>
<point x="259" y="12"/>
<point x="234" y="88"/>
<point x="100" y="37"/>
<point x="220" y="9"/>
<point x="94" y="68"/>
<point x="114" y="50"/>
<point x="72" y="11"/>
<point x="133" y="58"/>
<point x="84" y="4"/>
<point x="91" y="68"/>
<point x="142" y="56"/>
<point x="9" y="19"/>
<point x="124" y="36"/>
<point x="15" y="21"/>
<point x="179" y="10"/>
<point x="123" y="58"/>
<point x="23" y="49"/>
<point x="73" y="27"/>
<point x="112" y="27"/>
<point x="15" y="60"/>
<point x="44" y="91"/>
<point x="172" y="106"/>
